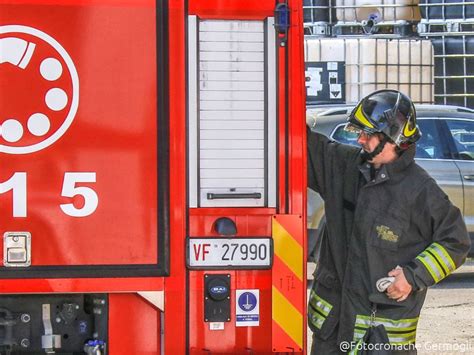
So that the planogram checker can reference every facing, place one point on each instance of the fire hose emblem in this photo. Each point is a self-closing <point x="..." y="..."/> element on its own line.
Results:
<point x="39" y="90"/>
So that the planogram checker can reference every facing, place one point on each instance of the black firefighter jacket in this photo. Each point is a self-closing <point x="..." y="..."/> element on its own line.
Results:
<point x="400" y="217"/>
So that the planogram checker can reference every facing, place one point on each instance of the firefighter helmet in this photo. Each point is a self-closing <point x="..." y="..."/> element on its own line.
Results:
<point x="389" y="112"/>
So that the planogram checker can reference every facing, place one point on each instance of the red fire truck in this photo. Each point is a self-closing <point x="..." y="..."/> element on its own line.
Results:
<point x="152" y="177"/>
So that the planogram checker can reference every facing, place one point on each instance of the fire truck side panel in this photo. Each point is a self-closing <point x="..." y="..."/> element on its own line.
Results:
<point x="233" y="9"/>
<point x="297" y="110"/>
<point x="132" y="130"/>
<point x="80" y="150"/>
<point x="116" y="284"/>
<point x="176" y="308"/>
<point x="247" y="225"/>
<point x="134" y="325"/>
<point x="238" y="208"/>
<point x="231" y="339"/>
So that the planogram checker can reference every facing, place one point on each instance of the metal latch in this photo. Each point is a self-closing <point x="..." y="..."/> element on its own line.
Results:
<point x="17" y="249"/>
<point x="49" y="341"/>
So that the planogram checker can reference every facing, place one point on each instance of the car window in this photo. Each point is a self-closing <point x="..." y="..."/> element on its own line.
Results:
<point x="429" y="146"/>
<point x="343" y="136"/>
<point x="463" y="134"/>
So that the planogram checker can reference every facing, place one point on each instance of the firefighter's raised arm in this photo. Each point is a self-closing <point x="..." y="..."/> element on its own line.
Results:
<point x="323" y="154"/>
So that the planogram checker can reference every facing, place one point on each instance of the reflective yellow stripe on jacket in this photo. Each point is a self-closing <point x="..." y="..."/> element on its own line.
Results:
<point x="399" y="332"/>
<point x="437" y="261"/>
<point x="318" y="310"/>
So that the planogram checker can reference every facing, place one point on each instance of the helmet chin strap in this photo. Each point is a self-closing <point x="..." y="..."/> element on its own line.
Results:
<point x="378" y="149"/>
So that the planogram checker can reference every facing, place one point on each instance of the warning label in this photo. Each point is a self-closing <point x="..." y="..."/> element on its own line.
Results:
<point x="325" y="82"/>
<point x="247" y="311"/>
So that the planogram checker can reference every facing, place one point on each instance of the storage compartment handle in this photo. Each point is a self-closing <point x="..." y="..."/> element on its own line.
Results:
<point x="214" y="196"/>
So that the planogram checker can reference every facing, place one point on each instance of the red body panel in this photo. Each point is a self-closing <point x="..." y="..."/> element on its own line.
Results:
<point x="81" y="285"/>
<point x="232" y="9"/>
<point x="175" y="295"/>
<point x="297" y="112"/>
<point x="134" y="326"/>
<point x="282" y="137"/>
<point x="231" y="340"/>
<point x="255" y="222"/>
<point x="113" y="133"/>
<point x="201" y="222"/>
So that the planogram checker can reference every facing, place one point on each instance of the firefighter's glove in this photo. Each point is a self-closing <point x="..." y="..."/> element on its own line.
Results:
<point x="400" y="289"/>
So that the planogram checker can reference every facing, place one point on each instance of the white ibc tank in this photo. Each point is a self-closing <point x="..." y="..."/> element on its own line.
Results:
<point x="375" y="64"/>
<point x="378" y="10"/>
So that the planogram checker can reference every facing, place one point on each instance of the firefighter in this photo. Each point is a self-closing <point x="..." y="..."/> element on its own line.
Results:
<point x="388" y="225"/>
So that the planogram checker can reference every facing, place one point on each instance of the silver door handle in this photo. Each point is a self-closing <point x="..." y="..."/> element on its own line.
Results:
<point x="214" y="196"/>
<point x="468" y="177"/>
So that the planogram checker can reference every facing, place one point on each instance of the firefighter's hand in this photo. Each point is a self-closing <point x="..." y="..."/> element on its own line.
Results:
<point x="400" y="289"/>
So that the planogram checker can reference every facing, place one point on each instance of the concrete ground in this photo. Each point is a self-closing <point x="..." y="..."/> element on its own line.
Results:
<point x="446" y="324"/>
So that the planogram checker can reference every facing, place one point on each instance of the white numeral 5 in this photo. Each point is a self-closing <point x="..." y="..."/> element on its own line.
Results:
<point x="91" y="200"/>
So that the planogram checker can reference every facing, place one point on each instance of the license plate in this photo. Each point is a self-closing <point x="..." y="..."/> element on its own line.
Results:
<point x="233" y="253"/>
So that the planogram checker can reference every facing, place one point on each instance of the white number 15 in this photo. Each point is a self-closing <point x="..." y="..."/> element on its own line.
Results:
<point x="17" y="184"/>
